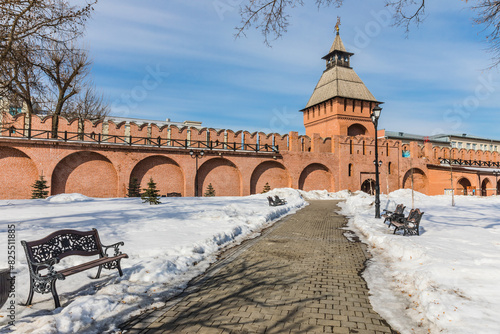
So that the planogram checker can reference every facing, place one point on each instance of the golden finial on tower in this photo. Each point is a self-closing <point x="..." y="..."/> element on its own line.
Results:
<point x="337" y="26"/>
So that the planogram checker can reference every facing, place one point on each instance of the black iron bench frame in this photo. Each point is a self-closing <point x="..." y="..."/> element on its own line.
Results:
<point x="390" y="216"/>
<point x="44" y="254"/>
<point x="279" y="201"/>
<point x="410" y="225"/>
<point x="272" y="202"/>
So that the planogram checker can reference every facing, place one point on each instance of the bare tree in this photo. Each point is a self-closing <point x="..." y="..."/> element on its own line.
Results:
<point x="489" y="15"/>
<point x="88" y="105"/>
<point x="271" y="18"/>
<point x="25" y="81"/>
<point x="66" y="68"/>
<point x="40" y="20"/>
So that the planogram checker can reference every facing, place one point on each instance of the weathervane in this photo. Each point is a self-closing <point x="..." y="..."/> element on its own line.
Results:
<point x="337" y="26"/>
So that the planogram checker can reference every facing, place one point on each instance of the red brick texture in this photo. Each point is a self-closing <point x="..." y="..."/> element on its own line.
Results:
<point x="312" y="162"/>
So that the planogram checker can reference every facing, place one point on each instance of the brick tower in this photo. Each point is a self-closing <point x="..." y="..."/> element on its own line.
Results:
<point x="340" y="103"/>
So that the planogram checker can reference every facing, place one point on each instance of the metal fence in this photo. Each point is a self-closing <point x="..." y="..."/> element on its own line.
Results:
<point x="99" y="138"/>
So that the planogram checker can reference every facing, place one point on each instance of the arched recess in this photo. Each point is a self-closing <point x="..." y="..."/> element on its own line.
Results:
<point x="316" y="177"/>
<point x="463" y="183"/>
<point x="368" y="186"/>
<point x="271" y="172"/>
<point x="356" y="130"/>
<point x="88" y="173"/>
<point x="420" y="181"/>
<point x="17" y="173"/>
<point x="166" y="173"/>
<point x="222" y="174"/>
<point x="485" y="185"/>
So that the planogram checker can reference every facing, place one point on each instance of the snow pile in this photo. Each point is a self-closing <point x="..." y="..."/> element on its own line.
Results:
<point x="444" y="280"/>
<point x="167" y="244"/>
<point x="324" y="195"/>
<point x="66" y="198"/>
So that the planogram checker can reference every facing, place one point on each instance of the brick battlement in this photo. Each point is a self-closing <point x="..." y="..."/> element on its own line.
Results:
<point x="150" y="134"/>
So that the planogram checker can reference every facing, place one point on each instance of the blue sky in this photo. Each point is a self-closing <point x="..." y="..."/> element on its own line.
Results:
<point x="179" y="59"/>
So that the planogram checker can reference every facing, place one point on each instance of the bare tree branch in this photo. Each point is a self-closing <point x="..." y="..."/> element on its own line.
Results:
<point x="407" y="13"/>
<point x="66" y="68"/>
<point x="489" y="16"/>
<point x="270" y="16"/>
<point x="39" y="20"/>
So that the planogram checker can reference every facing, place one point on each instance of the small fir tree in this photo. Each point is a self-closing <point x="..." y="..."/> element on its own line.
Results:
<point x="210" y="191"/>
<point x="39" y="188"/>
<point x="134" y="188"/>
<point x="151" y="194"/>
<point x="267" y="187"/>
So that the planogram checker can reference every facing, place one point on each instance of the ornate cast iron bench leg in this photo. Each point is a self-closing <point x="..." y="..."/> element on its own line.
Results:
<point x="54" y="293"/>
<point x="30" y="295"/>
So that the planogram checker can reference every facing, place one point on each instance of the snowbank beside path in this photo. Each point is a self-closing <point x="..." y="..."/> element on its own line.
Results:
<point x="168" y="245"/>
<point x="444" y="280"/>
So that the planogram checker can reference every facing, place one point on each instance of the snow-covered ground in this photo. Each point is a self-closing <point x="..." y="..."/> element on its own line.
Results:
<point x="167" y="244"/>
<point x="443" y="281"/>
<point x="446" y="279"/>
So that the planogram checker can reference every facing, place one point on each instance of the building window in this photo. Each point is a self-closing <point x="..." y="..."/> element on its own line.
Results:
<point x="474" y="146"/>
<point x="350" y="146"/>
<point x="15" y="110"/>
<point x="350" y="169"/>
<point x="453" y="144"/>
<point x="468" y="146"/>
<point x="345" y="104"/>
<point x="389" y="168"/>
<point x="459" y="144"/>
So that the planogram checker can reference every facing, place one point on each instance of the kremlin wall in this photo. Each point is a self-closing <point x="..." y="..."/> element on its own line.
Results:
<point x="99" y="159"/>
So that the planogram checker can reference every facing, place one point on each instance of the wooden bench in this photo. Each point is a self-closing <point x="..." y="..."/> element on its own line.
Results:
<point x="44" y="254"/>
<point x="410" y="225"/>
<point x="393" y="215"/>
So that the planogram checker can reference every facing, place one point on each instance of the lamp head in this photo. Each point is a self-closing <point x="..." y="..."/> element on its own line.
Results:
<point x="376" y="113"/>
<point x="191" y="152"/>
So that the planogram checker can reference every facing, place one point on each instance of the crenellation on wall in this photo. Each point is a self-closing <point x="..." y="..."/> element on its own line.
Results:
<point x="234" y="139"/>
<point x="305" y="143"/>
<point x="326" y="145"/>
<point x="137" y="131"/>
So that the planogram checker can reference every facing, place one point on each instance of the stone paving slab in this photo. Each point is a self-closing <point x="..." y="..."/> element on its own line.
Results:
<point x="301" y="276"/>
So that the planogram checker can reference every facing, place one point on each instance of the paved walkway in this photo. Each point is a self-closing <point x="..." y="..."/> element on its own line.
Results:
<point x="301" y="276"/>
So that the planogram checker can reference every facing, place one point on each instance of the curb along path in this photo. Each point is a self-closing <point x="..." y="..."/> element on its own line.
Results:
<point x="300" y="277"/>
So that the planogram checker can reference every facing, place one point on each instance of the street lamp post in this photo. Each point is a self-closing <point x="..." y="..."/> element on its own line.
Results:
<point x="196" y="155"/>
<point x="375" y="115"/>
<point x="496" y="173"/>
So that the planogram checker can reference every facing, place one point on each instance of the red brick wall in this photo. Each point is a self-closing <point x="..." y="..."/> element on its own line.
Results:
<point x="222" y="174"/>
<point x="166" y="173"/>
<point x="271" y="172"/>
<point x="316" y="177"/>
<point x="18" y="173"/>
<point x="88" y="173"/>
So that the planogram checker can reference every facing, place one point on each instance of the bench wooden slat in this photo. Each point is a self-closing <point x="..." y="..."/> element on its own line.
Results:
<point x="89" y="265"/>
